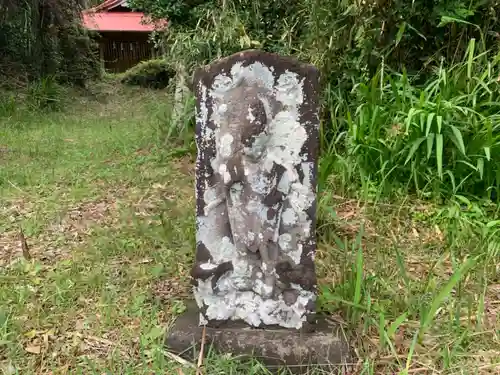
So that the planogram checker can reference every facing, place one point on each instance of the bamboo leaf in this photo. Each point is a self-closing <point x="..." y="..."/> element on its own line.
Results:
<point x="429" y="123"/>
<point x="444" y="293"/>
<point x="493" y="223"/>
<point x="359" y="276"/>
<point x="471" y="49"/>
<point x="459" y="139"/>
<point x="430" y="144"/>
<point x="395" y="325"/>
<point x="422" y="121"/>
<point x="487" y="153"/>
<point x="439" y="154"/>
<point x="412" y="112"/>
<point x="414" y="148"/>
<point x="480" y="167"/>
<point x="452" y="179"/>
<point x="439" y="120"/>
<point x="400" y="33"/>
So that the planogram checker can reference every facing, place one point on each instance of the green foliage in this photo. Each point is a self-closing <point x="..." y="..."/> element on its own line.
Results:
<point x="7" y="104"/>
<point x="440" y="137"/>
<point x="180" y="133"/>
<point x="45" y="94"/>
<point x="346" y="39"/>
<point x="41" y="95"/>
<point x="200" y="32"/>
<point x="401" y="108"/>
<point x="41" y="38"/>
<point x="155" y="73"/>
<point x="180" y="13"/>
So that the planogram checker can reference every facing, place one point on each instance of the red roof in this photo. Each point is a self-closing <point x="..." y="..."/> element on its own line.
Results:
<point x="119" y="21"/>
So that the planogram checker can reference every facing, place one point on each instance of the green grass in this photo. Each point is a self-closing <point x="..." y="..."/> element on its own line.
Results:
<point x="417" y="283"/>
<point x="107" y="212"/>
<point x="437" y="139"/>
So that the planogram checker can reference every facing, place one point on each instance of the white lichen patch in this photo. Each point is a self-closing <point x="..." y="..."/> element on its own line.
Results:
<point x="289" y="217"/>
<point x="225" y="146"/>
<point x="301" y="197"/>
<point x="202" y="114"/>
<point x="286" y="179"/>
<point x="221" y="248"/>
<point x="250" y="116"/>
<point x="226" y="176"/>
<point x="262" y="289"/>
<point x="253" y="308"/>
<point x="285" y="242"/>
<point x="295" y="253"/>
<point x="289" y="89"/>
<point x="208" y="266"/>
<point x="287" y="136"/>
<point x="203" y="320"/>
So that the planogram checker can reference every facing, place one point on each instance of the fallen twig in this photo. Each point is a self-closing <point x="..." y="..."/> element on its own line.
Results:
<point x="15" y="186"/>
<point x="200" y="356"/>
<point x="24" y="245"/>
<point x="178" y="359"/>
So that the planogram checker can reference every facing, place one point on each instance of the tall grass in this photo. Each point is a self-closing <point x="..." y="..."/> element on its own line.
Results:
<point x="440" y="138"/>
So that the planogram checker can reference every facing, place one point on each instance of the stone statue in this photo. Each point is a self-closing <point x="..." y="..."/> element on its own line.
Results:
<point x="254" y="278"/>
<point x="257" y="137"/>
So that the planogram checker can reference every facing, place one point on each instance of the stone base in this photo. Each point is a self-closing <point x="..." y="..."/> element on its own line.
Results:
<point x="325" y="347"/>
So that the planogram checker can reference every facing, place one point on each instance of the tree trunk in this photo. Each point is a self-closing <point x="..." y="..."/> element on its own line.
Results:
<point x="180" y="97"/>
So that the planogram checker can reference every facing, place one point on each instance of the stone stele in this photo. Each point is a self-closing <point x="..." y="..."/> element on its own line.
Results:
<point x="257" y="133"/>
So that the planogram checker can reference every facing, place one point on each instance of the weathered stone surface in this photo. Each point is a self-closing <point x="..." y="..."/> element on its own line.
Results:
<point x="257" y="137"/>
<point x="276" y="348"/>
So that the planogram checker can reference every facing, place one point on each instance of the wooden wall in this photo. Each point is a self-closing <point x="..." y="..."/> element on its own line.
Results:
<point x="122" y="50"/>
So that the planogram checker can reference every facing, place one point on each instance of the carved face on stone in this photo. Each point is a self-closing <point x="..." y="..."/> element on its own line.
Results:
<point x="245" y="167"/>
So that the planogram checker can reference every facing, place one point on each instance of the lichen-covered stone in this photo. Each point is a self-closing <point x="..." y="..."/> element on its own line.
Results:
<point x="257" y="137"/>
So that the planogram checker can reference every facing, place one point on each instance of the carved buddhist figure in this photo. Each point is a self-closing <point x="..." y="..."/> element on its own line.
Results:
<point x="257" y="138"/>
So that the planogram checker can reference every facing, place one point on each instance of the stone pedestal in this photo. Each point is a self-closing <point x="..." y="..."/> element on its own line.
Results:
<point x="299" y="351"/>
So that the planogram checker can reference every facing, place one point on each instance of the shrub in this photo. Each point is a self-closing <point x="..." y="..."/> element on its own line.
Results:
<point x="155" y="74"/>
<point x="45" y="94"/>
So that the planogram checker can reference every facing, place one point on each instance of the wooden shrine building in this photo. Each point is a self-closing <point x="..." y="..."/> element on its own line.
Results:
<point x="124" y="34"/>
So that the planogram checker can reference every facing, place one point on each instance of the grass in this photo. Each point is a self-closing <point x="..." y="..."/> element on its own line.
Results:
<point x="107" y="211"/>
